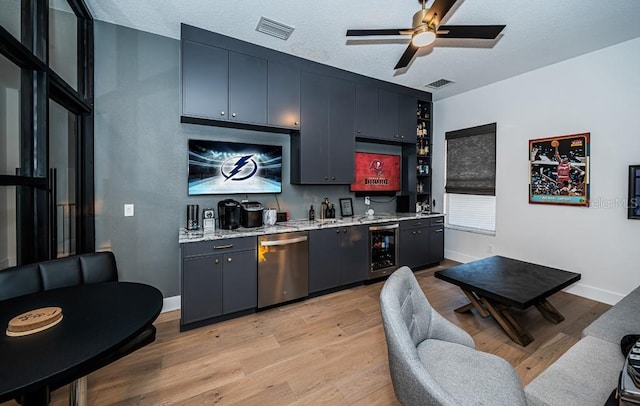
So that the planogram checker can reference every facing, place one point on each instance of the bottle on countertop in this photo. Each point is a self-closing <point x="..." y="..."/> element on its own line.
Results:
<point x="312" y="214"/>
<point x="332" y="211"/>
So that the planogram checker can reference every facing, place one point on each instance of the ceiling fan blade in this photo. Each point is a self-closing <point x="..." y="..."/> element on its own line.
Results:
<point x="407" y="56"/>
<point x="439" y="8"/>
<point x="390" y="31"/>
<point x="470" y="31"/>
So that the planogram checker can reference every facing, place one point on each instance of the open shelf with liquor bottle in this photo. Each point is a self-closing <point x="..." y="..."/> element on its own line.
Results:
<point x="423" y="155"/>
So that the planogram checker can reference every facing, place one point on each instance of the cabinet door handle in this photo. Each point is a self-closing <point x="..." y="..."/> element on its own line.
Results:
<point x="222" y="113"/>
<point x="222" y="247"/>
<point x="359" y="132"/>
<point x="337" y="231"/>
<point x="439" y="230"/>
<point x="326" y="178"/>
<point x="233" y="114"/>
<point x="217" y="261"/>
<point x="419" y="232"/>
<point x="344" y="230"/>
<point x="296" y="123"/>
<point x="229" y="259"/>
<point x="333" y="178"/>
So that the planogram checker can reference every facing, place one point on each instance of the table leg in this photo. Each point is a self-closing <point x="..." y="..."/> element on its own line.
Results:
<point x="475" y="303"/>
<point x="508" y="323"/>
<point x="40" y="397"/>
<point x="549" y="312"/>
<point x="78" y="392"/>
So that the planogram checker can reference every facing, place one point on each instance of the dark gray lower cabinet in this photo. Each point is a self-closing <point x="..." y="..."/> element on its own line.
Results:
<point x="201" y="288"/>
<point x="421" y="241"/>
<point x="218" y="278"/>
<point x="414" y="242"/>
<point x="337" y="257"/>
<point x="436" y="240"/>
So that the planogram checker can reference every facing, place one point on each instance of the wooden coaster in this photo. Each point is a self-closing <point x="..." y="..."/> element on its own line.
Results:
<point x="34" y="321"/>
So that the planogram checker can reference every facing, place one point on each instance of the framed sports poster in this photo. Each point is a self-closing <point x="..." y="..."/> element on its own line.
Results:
<point x="559" y="170"/>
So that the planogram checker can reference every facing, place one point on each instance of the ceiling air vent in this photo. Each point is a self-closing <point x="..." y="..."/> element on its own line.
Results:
<point x="440" y="83"/>
<point x="274" y="28"/>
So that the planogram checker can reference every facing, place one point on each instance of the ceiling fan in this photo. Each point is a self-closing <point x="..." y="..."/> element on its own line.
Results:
<point x="426" y="28"/>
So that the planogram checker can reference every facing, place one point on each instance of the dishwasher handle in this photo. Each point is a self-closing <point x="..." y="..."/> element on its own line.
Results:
<point x="273" y="243"/>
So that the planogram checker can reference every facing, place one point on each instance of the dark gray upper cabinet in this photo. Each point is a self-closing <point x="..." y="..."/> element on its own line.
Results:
<point x="385" y="115"/>
<point x="323" y="151"/>
<point x="247" y="88"/>
<point x="223" y="85"/>
<point x="366" y="110"/>
<point x="204" y="94"/>
<point x="283" y="94"/>
<point x="407" y="106"/>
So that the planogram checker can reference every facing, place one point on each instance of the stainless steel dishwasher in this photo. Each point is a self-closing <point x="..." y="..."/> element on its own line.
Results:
<point x="283" y="267"/>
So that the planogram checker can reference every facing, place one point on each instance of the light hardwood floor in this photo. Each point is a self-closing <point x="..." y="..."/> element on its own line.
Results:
<point x="326" y="350"/>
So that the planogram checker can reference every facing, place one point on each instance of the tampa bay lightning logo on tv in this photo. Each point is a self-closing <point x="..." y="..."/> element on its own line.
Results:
<point x="239" y="167"/>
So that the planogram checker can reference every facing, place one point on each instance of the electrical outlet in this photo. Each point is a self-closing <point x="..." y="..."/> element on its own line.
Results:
<point x="367" y="200"/>
<point x="490" y="249"/>
<point x="128" y="210"/>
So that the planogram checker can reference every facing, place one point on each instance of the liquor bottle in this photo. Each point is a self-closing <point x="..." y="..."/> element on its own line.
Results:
<point x="312" y="214"/>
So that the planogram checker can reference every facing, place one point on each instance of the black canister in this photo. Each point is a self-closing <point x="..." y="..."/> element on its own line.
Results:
<point x="193" y="222"/>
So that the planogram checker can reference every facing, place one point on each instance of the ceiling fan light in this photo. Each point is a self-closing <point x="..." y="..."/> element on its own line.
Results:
<point x="423" y="37"/>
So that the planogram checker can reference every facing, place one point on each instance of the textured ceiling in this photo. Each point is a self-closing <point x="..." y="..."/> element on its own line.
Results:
<point x="538" y="33"/>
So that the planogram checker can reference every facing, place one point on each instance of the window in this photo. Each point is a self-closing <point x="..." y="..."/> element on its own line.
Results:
<point x="7" y="226"/>
<point x="10" y="16"/>
<point x="471" y="178"/>
<point x="63" y="41"/>
<point x="46" y="130"/>
<point x="62" y="164"/>
<point x="9" y="117"/>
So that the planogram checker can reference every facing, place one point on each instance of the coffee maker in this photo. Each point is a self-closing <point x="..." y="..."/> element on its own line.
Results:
<point x="228" y="214"/>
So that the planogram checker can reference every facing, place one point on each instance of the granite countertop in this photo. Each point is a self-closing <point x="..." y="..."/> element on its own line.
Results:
<point x="185" y="236"/>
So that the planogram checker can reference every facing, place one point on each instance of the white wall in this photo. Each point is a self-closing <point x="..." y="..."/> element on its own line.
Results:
<point x="596" y="93"/>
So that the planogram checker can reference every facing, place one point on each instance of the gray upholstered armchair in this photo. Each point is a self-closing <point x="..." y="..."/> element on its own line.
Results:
<point x="434" y="362"/>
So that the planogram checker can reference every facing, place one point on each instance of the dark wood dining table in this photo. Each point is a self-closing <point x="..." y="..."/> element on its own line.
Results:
<point x="495" y="284"/>
<point x="97" y="320"/>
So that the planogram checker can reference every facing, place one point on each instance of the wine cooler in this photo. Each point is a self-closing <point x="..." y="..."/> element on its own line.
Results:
<point x="383" y="250"/>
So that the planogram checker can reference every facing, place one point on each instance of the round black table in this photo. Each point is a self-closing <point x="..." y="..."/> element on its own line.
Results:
<point x="97" y="320"/>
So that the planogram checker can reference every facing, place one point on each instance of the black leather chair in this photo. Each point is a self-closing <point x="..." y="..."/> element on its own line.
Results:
<point x="70" y="271"/>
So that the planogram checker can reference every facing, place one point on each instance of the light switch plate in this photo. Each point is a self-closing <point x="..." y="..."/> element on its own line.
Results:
<point x="128" y="210"/>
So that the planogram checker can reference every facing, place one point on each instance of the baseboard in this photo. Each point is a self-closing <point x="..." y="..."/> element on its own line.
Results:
<point x="170" y="304"/>
<point x="7" y="262"/>
<point x="579" y="289"/>
<point x="459" y="257"/>
<point x="593" y="293"/>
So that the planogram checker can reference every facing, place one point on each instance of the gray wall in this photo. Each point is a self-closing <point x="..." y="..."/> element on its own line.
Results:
<point x="141" y="157"/>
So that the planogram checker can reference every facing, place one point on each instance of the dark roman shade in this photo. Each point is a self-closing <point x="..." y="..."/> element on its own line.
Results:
<point x="471" y="160"/>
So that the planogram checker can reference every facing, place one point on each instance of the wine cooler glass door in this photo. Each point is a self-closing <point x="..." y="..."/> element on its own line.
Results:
<point x="383" y="250"/>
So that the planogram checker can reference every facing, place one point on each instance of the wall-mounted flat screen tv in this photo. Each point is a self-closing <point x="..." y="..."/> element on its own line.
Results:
<point x="376" y="173"/>
<point x="221" y="167"/>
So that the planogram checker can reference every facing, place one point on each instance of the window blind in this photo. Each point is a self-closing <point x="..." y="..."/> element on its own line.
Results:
<point x="471" y="160"/>
<point x="476" y="212"/>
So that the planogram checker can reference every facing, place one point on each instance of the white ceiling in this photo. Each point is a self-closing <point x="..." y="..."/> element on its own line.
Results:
<point x="538" y="33"/>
